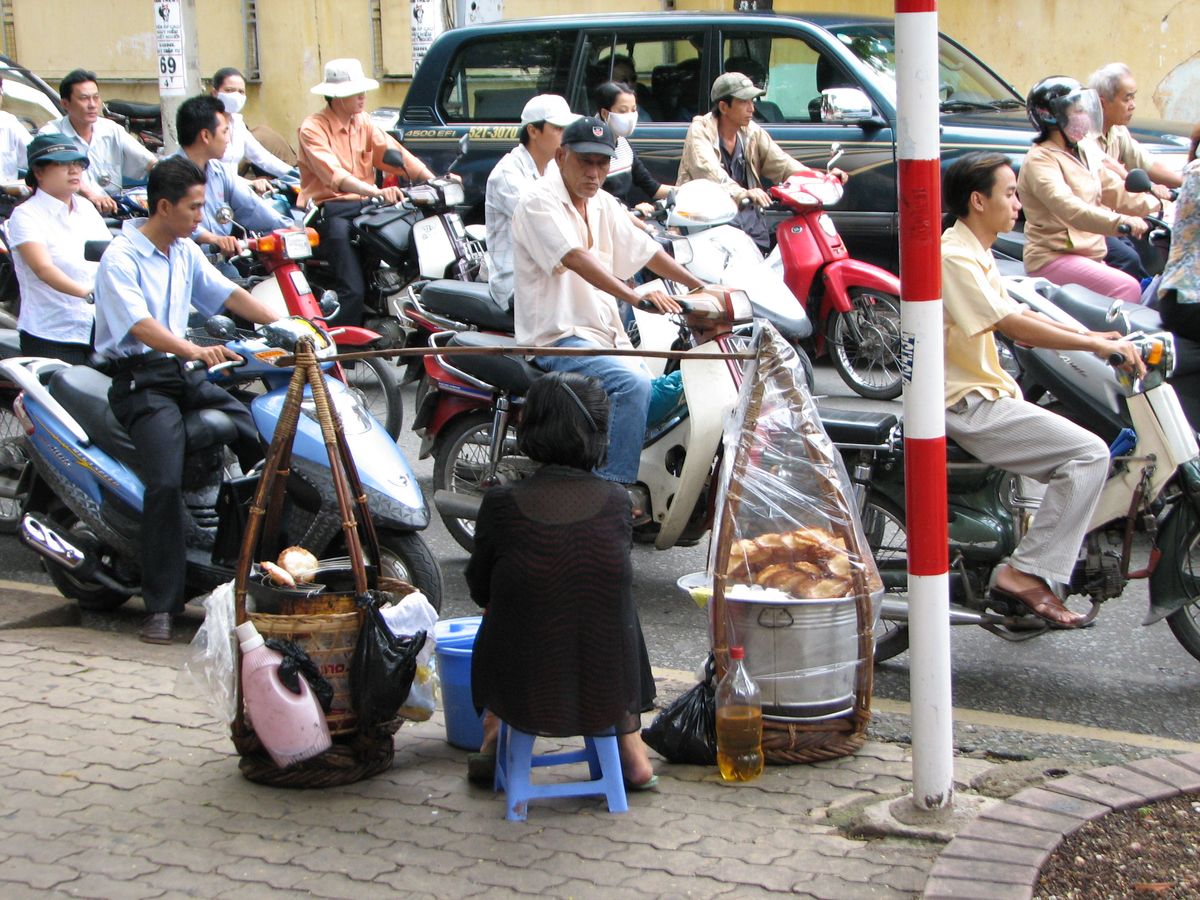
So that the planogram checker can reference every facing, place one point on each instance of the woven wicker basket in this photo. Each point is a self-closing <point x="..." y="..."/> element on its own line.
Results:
<point x="326" y="625"/>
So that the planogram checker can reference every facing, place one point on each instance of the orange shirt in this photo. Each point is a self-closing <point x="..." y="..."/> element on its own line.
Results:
<point x="330" y="151"/>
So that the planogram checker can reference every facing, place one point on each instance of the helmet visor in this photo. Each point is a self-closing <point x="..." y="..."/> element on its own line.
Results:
<point x="1079" y="115"/>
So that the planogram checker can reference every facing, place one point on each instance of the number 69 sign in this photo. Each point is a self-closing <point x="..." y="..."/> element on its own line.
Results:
<point x="168" y="30"/>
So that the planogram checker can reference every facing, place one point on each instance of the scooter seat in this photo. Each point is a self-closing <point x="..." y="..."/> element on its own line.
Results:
<point x="860" y="427"/>
<point x="83" y="392"/>
<point x="132" y="110"/>
<point x="507" y="373"/>
<point x="793" y="329"/>
<point x="1087" y="307"/>
<point x="469" y="302"/>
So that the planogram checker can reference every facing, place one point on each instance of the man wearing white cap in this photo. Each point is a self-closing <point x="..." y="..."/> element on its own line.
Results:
<point x="542" y="122"/>
<point x="340" y="149"/>
<point x="727" y="146"/>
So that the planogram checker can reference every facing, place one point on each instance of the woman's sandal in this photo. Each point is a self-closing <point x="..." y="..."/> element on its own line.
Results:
<point x="650" y="784"/>
<point x="481" y="768"/>
<point x="1044" y="604"/>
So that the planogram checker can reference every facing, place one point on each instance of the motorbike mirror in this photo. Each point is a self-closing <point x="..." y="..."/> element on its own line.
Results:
<point x="835" y="153"/>
<point x="104" y="180"/>
<point x="93" y="250"/>
<point x="329" y="304"/>
<point x="224" y="215"/>
<point x="221" y="327"/>
<point x="1116" y="314"/>
<point x="394" y="158"/>
<point x="1138" y="182"/>
<point x="464" y="143"/>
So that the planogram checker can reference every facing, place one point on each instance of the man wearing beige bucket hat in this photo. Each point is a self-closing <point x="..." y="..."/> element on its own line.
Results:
<point x="340" y="149"/>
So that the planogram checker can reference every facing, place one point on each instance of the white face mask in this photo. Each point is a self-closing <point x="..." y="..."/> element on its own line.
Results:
<point x="233" y="100"/>
<point x="622" y="124"/>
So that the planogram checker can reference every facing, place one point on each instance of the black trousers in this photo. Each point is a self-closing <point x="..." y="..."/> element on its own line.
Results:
<point x="1122" y="254"/>
<point x="75" y="354"/>
<point x="150" y="401"/>
<point x="335" y="227"/>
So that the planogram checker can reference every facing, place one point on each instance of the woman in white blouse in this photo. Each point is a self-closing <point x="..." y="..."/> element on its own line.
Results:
<point x="49" y="231"/>
<point x="229" y="86"/>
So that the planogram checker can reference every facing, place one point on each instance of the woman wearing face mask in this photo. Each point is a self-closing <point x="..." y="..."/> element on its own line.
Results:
<point x="229" y="87"/>
<point x="1071" y="199"/>
<point x="628" y="177"/>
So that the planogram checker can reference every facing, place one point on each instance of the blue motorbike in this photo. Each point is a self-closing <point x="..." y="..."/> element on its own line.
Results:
<point x="83" y="514"/>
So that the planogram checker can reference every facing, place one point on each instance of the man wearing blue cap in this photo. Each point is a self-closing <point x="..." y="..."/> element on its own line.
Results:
<point x="573" y="247"/>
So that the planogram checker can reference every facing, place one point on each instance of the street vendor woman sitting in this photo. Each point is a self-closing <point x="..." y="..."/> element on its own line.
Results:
<point x="573" y="244"/>
<point x="985" y="412"/>
<point x="560" y="651"/>
<point x="147" y="281"/>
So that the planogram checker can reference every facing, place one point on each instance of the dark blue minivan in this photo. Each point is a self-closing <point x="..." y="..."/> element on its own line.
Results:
<point x="476" y="79"/>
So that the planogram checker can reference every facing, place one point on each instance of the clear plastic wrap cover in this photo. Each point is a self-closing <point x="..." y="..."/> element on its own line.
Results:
<point x="787" y="528"/>
<point x="212" y="657"/>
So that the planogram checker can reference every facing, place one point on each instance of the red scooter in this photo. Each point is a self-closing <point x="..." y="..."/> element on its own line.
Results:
<point x="288" y="291"/>
<point x="854" y="306"/>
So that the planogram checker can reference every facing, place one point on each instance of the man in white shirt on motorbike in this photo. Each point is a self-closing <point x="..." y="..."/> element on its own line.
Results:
<point x="14" y="138"/>
<point x="113" y="153"/>
<point x="542" y="122"/>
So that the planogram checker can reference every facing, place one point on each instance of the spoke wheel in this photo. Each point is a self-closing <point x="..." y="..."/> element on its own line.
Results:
<point x="1185" y="622"/>
<point x="888" y="540"/>
<point x="14" y="461"/>
<point x="461" y="464"/>
<point x="864" y="344"/>
<point x="377" y="384"/>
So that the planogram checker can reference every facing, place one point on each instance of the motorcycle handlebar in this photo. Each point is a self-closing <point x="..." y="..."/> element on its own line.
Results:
<point x="647" y="305"/>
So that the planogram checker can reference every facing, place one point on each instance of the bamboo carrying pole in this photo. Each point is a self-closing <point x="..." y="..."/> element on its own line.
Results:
<point x="522" y="351"/>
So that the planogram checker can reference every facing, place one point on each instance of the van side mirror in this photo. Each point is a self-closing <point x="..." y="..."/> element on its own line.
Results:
<point x="847" y="106"/>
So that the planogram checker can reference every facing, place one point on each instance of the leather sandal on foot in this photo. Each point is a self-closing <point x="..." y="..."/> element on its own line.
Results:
<point x="481" y="768"/>
<point x="1044" y="603"/>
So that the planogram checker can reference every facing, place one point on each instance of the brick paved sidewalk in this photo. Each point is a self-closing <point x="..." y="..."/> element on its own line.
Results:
<point x="114" y="787"/>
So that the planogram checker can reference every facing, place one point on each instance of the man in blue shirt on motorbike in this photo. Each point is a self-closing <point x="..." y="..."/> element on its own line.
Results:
<point x="148" y="278"/>
<point x="202" y="126"/>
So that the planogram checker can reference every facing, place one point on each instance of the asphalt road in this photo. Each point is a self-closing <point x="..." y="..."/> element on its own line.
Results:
<point x="1116" y="675"/>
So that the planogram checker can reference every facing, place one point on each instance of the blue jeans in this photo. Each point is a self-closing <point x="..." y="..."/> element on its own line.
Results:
<point x="627" y="383"/>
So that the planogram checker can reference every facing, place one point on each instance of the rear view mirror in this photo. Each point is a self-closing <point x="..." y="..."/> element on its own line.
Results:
<point x="329" y="304"/>
<point x="846" y="106"/>
<point x="93" y="250"/>
<point x="221" y="327"/>
<point x="394" y="158"/>
<point x="1137" y="181"/>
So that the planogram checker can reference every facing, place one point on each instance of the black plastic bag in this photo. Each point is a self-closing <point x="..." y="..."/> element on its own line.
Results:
<point x="382" y="669"/>
<point x="296" y="664"/>
<point x="686" y="731"/>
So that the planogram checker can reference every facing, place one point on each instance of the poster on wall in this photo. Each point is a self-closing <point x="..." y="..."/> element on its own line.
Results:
<point x="427" y="24"/>
<point x="168" y="34"/>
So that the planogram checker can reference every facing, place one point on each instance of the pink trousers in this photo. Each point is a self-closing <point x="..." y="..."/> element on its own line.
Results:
<point x="1070" y="268"/>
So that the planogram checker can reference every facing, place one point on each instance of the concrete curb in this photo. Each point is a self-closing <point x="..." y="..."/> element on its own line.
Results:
<point x="999" y="856"/>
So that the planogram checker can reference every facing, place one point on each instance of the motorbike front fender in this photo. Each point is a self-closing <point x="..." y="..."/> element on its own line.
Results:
<point x="1168" y="589"/>
<point x="843" y="274"/>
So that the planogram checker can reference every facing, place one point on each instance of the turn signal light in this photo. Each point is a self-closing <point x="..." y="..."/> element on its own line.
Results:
<point x="1154" y="357"/>
<point x="268" y="243"/>
<point x="313" y="237"/>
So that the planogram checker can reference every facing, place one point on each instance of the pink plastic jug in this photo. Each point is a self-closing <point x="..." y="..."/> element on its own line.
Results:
<point x="292" y="727"/>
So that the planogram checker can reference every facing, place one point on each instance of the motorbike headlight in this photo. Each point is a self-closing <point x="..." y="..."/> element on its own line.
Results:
<point x="452" y="193"/>
<point x="296" y="245"/>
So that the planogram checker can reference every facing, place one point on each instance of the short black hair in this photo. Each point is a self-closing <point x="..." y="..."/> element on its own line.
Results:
<point x="220" y="75"/>
<point x="565" y="421"/>
<point x="171" y="180"/>
<point x="523" y="134"/>
<point x="605" y="96"/>
<point x="716" y="107"/>
<point x="74" y="77"/>
<point x="971" y="172"/>
<point x="194" y="115"/>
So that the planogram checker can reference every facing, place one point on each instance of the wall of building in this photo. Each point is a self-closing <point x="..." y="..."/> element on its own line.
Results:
<point x="1022" y="39"/>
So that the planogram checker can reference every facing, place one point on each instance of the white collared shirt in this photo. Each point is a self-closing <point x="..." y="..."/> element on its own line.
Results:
<point x="552" y="302"/>
<point x="113" y="151"/>
<point x="14" y="138"/>
<point x="244" y="145"/>
<point x="515" y="171"/>
<point x="62" y="230"/>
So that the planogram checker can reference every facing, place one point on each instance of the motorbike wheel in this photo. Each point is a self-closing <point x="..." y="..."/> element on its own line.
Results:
<point x="89" y="595"/>
<point x="377" y="383"/>
<point x="13" y="462"/>
<point x="1185" y="622"/>
<point x="407" y="557"/>
<point x="883" y="524"/>
<point x="865" y="344"/>
<point x="460" y="463"/>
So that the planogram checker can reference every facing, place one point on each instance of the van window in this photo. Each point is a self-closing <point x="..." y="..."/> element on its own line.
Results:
<point x="491" y="80"/>
<point x="664" y="70"/>
<point x="790" y="70"/>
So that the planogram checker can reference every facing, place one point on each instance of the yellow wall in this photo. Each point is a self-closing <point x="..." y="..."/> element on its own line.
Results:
<point x="1022" y="39"/>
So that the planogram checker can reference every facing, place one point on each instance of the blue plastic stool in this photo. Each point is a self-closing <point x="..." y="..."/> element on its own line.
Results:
<point x="515" y="762"/>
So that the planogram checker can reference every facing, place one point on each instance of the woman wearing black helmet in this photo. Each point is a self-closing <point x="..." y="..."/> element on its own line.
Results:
<point x="1071" y="199"/>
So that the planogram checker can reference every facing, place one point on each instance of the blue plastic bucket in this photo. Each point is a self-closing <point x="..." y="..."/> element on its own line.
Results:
<point x="455" y="641"/>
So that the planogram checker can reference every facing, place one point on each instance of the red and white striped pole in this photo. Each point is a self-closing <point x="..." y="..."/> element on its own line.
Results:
<point x="918" y="142"/>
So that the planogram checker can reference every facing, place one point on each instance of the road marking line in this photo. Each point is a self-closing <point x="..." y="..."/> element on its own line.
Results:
<point x="1013" y="723"/>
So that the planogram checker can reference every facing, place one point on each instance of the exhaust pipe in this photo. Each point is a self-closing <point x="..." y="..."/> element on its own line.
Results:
<point x="457" y="506"/>
<point x="43" y="537"/>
